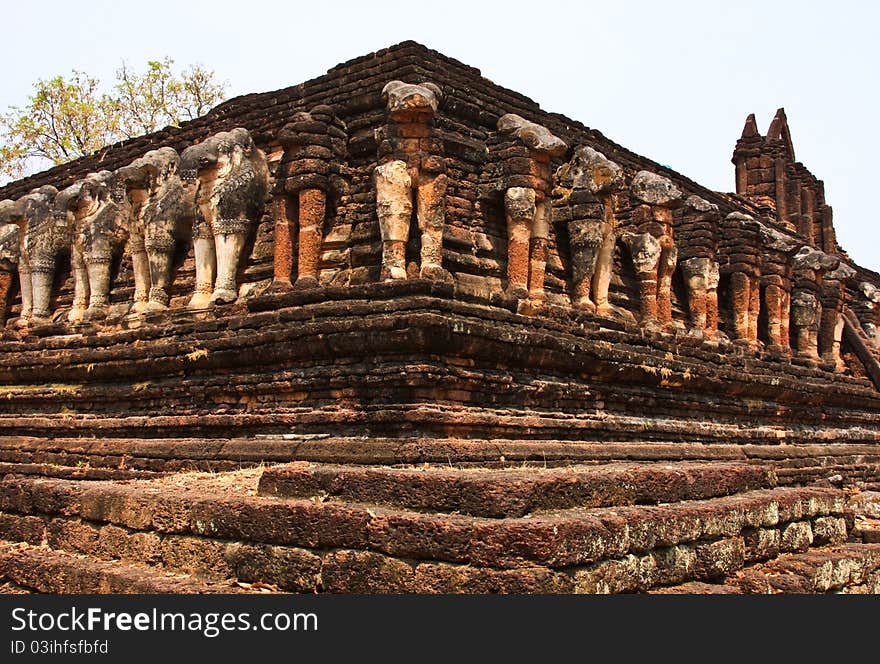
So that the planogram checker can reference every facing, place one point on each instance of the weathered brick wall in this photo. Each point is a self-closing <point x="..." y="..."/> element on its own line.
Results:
<point x="475" y="236"/>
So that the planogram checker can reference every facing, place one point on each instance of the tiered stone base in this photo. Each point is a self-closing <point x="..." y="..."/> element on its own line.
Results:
<point x="592" y="527"/>
<point x="412" y="438"/>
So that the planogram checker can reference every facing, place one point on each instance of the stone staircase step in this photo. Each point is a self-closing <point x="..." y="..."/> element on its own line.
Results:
<point x="847" y="568"/>
<point x="50" y="571"/>
<point x="224" y="507"/>
<point x="699" y="588"/>
<point x="867" y="531"/>
<point x="795" y="464"/>
<point x="513" y="492"/>
<point x="9" y="588"/>
<point x="865" y="507"/>
<point x="81" y="471"/>
<point x="865" y="503"/>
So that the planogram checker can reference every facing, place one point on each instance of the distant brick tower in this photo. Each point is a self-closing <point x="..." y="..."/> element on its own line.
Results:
<point x="769" y="176"/>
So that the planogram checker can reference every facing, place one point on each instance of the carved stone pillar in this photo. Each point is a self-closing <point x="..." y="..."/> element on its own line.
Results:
<point x="831" y="324"/>
<point x="308" y="179"/>
<point x="525" y="153"/>
<point x="696" y="235"/>
<point x="805" y="314"/>
<point x="586" y="194"/>
<point x="776" y="279"/>
<point x="411" y="165"/>
<point x="651" y="245"/>
<point x="809" y="266"/>
<point x="808" y="212"/>
<point x="740" y="253"/>
<point x="829" y="236"/>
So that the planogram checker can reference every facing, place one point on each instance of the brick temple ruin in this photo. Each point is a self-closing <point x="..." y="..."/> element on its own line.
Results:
<point x="398" y="329"/>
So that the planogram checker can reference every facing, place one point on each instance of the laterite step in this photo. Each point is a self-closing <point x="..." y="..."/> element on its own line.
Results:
<point x="51" y="571"/>
<point x="848" y="568"/>
<point x="513" y="492"/>
<point x="216" y="526"/>
<point x="855" y="463"/>
<point x="867" y="531"/>
<point x="77" y="472"/>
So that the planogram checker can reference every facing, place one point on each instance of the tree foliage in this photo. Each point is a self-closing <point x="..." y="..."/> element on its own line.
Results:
<point x="71" y="117"/>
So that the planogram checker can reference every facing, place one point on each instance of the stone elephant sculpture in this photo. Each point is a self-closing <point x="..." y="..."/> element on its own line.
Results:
<point x="10" y="244"/>
<point x="98" y="228"/>
<point x="10" y="249"/>
<point x="586" y="189"/>
<point x="411" y="173"/>
<point x="44" y="238"/>
<point x="159" y="219"/>
<point x="228" y="178"/>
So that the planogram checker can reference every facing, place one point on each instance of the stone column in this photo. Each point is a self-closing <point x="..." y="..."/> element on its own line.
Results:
<point x="411" y="174"/>
<point x="80" y="286"/>
<point x="805" y="314"/>
<point x="776" y="279"/>
<point x="394" y="207"/>
<point x="527" y="167"/>
<point x="779" y="168"/>
<point x="831" y="324"/>
<point x="312" y="209"/>
<point x="282" y="263"/>
<point x="586" y="189"/>
<point x="314" y="151"/>
<point x="740" y="251"/>
<point x="651" y="245"/>
<point x="808" y="210"/>
<point x="520" y="211"/>
<point x="696" y="235"/>
<point x="809" y="267"/>
<point x="829" y="237"/>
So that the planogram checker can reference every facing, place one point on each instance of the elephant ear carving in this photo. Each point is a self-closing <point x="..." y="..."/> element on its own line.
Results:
<point x="237" y="196"/>
<point x="9" y="245"/>
<point x="389" y="88"/>
<point x="242" y="138"/>
<point x="433" y="87"/>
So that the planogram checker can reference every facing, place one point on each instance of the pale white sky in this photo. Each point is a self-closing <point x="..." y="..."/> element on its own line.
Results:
<point x="671" y="80"/>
